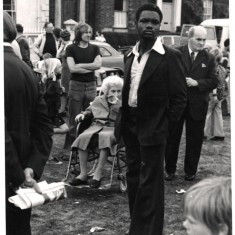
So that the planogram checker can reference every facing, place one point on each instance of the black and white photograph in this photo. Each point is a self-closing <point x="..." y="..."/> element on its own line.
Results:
<point x="117" y="117"/>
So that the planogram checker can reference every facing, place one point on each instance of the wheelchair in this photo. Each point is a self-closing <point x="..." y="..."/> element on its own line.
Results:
<point x="117" y="162"/>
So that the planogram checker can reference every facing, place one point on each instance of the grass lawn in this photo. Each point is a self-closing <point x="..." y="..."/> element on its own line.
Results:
<point x="86" y="208"/>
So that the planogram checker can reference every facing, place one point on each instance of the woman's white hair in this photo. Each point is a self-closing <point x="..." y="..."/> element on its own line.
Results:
<point x="111" y="81"/>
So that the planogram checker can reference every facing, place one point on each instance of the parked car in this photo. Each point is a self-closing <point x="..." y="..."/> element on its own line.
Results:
<point x="124" y="49"/>
<point x="210" y="38"/>
<point x="221" y="29"/>
<point x="217" y="32"/>
<point x="170" y="40"/>
<point x="111" y="58"/>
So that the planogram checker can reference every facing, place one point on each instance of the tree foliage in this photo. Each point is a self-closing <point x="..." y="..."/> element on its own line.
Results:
<point x="220" y="10"/>
<point x="192" y="12"/>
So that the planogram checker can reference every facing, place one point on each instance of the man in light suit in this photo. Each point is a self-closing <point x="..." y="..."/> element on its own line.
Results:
<point x="46" y="42"/>
<point x="201" y="78"/>
<point x="154" y="92"/>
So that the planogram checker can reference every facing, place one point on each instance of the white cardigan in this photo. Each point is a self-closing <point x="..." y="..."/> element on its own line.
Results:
<point x="39" y="44"/>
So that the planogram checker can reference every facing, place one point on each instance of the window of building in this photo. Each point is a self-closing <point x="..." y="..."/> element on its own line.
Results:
<point x="169" y="1"/>
<point x="120" y="13"/>
<point x="118" y="5"/>
<point x="9" y="7"/>
<point x="207" y="5"/>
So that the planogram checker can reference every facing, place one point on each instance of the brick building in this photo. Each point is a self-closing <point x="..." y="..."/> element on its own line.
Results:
<point x="111" y="15"/>
<point x="102" y="15"/>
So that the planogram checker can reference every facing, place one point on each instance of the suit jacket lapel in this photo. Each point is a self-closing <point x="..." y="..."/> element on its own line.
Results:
<point x="127" y="77"/>
<point x="186" y="58"/>
<point x="127" y="67"/>
<point x="151" y="64"/>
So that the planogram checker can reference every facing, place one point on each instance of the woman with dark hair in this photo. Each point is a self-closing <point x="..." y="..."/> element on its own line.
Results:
<point x="83" y="59"/>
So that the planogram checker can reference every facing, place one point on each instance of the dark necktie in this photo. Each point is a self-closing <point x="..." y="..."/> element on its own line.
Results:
<point x="192" y="57"/>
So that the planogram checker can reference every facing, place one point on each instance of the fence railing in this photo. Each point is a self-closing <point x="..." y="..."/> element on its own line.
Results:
<point x="33" y="30"/>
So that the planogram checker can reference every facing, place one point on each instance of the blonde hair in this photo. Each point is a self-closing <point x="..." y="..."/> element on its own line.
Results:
<point x="47" y="56"/>
<point x="210" y="202"/>
<point x="111" y="81"/>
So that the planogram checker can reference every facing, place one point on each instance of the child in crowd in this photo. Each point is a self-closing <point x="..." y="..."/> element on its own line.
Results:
<point x="208" y="207"/>
<point x="51" y="78"/>
<point x="51" y="68"/>
<point x="103" y="110"/>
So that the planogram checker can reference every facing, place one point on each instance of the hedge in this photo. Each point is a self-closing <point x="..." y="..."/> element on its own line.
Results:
<point x="122" y="39"/>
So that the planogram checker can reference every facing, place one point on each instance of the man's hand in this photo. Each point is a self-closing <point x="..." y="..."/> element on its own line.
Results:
<point x="30" y="181"/>
<point x="191" y="82"/>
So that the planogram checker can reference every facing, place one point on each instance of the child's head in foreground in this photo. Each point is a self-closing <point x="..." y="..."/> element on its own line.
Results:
<point x="208" y="207"/>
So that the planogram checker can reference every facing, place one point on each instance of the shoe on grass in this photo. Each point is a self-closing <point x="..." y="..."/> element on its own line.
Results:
<point x="189" y="177"/>
<point x="53" y="161"/>
<point x="95" y="183"/>
<point x="170" y="176"/>
<point x="78" y="182"/>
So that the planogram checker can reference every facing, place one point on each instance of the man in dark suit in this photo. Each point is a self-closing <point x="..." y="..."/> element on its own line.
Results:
<point x="201" y="78"/>
<point x="154" y="92"/>
<point x="28" y="131"/>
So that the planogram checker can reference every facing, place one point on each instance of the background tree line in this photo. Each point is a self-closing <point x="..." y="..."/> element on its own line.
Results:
<point x="192" y="11"/>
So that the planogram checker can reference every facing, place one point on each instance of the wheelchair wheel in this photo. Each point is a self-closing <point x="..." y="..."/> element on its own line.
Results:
<point x="122" y="183"/>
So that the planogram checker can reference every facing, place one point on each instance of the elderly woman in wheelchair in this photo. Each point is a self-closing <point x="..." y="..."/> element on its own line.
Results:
<point x="100" y="134"/>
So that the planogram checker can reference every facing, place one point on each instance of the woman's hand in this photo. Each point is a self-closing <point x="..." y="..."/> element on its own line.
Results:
<point x="79" y="117"/>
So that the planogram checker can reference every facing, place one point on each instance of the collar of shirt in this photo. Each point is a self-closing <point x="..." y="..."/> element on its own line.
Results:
<point x="158" y="47"/>
<point x="195" y="52"/>
<point x="8" y="44"/>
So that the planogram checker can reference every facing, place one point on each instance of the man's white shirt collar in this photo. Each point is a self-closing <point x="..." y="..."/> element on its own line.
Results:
<point x="7" y="44"/>
<point x="158" y="47"/>
<point x="190" y="51"/>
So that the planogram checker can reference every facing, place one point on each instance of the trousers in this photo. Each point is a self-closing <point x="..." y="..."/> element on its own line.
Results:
<point x="145" y="181"/>
<point x="80" y="95"/>
<point x="194" y="139"/>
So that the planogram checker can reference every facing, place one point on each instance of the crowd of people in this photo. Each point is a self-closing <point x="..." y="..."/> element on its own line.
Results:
<point x="163" y="91"/>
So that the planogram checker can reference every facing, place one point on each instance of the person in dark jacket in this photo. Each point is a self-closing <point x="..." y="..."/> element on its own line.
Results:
<point x="154" y="94"/>
<point x="28" y="131"/>
<point x="24" y="45"/>
<point x="201" y="78"/>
